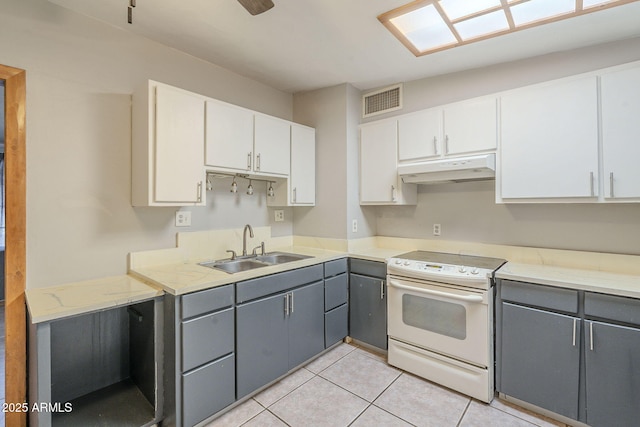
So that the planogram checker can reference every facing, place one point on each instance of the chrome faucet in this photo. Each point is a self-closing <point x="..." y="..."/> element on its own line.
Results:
<point x="244" y="238"/>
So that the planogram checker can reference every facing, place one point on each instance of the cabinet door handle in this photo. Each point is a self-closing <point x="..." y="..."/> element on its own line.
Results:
<point x="249" y="161"/>
<point x="446" y="144"/>
<point x="593" y="191"/>
<point x="382" y="289"/>
<point x="295" y="194"/>
<point x="258" y="162"/>
<point x="199" y="191"/>
<point x="286" y="304"/>
<point x="393" y="193"/>
<point x="291" y="302"/>
<point x="574" y="331"/>
<point x="435" y="145"/>
<point x="611" y="184"/>
<point x="591" y="336"/>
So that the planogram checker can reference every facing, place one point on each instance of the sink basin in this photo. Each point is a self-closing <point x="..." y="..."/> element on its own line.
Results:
<point x="235" y="266"/>
<point x="280" y="257"/>
<point x="251" y="262"/>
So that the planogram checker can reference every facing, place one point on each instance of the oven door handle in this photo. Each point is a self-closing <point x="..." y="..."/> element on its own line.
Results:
<point x="467" y="298"/>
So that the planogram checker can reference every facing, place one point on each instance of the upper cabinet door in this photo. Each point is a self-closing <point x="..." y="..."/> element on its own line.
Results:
<point x="378" y="162"/>
<point x="303" y="165"/>
<point x="620" y="99"/>
<point x="179" y="143"/>
<point x="549" y="146"/>
<point x="229" y="139"/>
<point x="272" y="145"/>
<point x="420" y="135"/>
<point x="470" y="126"/>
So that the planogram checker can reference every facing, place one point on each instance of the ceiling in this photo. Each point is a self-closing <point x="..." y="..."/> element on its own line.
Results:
<point x="301" y="45"/>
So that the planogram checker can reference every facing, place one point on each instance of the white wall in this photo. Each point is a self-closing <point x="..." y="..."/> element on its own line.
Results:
<point x="468" y="212"/>
<point x="335" y="113"/>
<point x="80" y="76"/>
<point x="325" y="110"/>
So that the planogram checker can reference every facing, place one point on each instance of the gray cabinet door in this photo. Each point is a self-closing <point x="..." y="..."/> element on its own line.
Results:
<point x="368" y="310"/>
<point x="613" y="374"/>
<point x="306" y="323"/>
<point x="262" y="343"/>
<point x="207" y="389"/>
<point x="540" y="361"/>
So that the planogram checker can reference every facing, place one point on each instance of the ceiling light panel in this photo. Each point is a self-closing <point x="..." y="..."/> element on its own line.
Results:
<point x="424" y="28"/>
<point x="482" y="25"/>
<point x="592" y="3"/>
<point x="536" y="10"/>
<point x="427" y="26"/>
<point x="459" y="8"/>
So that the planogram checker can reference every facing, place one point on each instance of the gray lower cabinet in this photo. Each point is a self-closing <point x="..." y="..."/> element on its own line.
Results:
<point x="199" y="355"/>
<point x="336" y="296"/>
<point x="278" y="332"/>
<point x="540" y="358"/>
<point x="612" y="358"/>
<point x="571" y="352"/>
<point x="368" y="303"/>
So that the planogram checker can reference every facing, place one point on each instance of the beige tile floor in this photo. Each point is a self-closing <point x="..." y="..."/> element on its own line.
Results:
<point x="351" y="386"/>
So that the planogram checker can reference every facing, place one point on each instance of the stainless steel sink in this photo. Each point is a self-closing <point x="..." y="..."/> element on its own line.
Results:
<point x="280" y="257"/>
<point x="235" y="266"/>
<point x="253" y="261"/>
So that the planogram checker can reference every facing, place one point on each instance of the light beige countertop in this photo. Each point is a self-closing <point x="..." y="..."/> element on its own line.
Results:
<point x="71" y="299"/>
<point x="185" y="277"/>
<point x="587" y="280"/>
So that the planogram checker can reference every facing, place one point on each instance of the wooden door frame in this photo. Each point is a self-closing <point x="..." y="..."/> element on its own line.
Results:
<point x="15" y="246"/>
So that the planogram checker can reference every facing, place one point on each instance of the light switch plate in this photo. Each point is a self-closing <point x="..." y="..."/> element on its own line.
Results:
<point x="183" y="218"/>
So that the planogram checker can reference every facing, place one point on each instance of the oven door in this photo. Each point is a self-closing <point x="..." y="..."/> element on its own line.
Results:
<point x="449" y="320"/>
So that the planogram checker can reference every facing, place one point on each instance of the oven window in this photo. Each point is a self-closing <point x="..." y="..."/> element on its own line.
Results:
<point x="441" y="317"/>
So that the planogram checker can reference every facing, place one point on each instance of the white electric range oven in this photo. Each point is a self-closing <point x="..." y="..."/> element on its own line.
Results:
<point x="440" y="319"/>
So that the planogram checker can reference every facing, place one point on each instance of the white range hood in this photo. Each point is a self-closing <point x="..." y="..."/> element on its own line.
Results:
<point x="449" y="170"/>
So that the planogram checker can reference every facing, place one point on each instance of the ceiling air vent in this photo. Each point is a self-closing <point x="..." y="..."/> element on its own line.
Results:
<point x="382" y="101"/>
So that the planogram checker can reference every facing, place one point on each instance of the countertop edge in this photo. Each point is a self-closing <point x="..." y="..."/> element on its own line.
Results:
<point x="40" y="312"/>
<point x="570" y="278"/>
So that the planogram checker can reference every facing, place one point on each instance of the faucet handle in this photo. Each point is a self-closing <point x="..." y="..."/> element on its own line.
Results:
<point x="261" y="247"/>
<point x="233" y="254"/>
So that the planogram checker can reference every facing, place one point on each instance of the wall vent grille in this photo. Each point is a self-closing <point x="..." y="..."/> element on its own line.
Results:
<point x="382" y="101"/>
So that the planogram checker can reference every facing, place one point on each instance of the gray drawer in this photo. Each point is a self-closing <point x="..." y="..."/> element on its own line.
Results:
<point x="368" y="268"/>
<point x="263" y="286"/>
<point x="207" y="390"/>
<point x="612" y="307"/>
<point x="333" y="268"/>
<point x="540" y="296"/>
<point x="207" y="338"/>
<point x="213" y="299"/>
<point x="336" y="290"/>
<point x="336" y="325"/>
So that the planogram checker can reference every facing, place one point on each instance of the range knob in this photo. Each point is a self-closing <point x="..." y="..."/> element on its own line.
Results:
<point x="407" y="263"/>
<point x="462" y="269"/>
<point x="475" y="271"/>
<point x="398" y="261"/>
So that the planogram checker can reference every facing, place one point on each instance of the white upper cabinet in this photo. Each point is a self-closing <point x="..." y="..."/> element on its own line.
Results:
<point x="549" y="145"/>
<point x="167" y="147"/>
<point x="229" y="139"/>
<point x="470" y="126"/>
<point x="420" y="135"/>
<point x="272" y="145"/>
<point x="242" y="141"/>
<point x="453" y="130"/>
<point x="379" y="181"/>
<point x="300" y="188"/>
<point x="303" y="165"/>
<point x="620" y="98"/>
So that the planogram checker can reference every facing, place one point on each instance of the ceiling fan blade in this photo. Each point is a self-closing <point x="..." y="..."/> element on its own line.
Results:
<point x="256" y="7"/>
